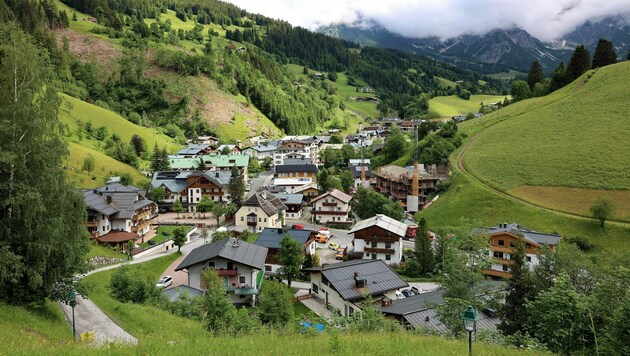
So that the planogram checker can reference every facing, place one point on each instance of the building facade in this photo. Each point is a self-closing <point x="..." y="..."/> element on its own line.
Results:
<point x="379" y="238"/>
<point x="259" y="211"/>
<point x="332" y="207"/>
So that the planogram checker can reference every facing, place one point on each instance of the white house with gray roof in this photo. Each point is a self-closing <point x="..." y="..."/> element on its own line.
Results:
<point x="379" y="238"/>
<point x="190" y="186"/>
<point x="118" y="213"/>
<point x="343" y="286"/>
<point x="259" y="211"/>
<point x="238" y="263"/>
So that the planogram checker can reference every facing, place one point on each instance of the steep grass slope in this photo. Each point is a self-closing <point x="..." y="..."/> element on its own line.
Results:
<point x="454" y="105"/>
<point x="576" y="138"/>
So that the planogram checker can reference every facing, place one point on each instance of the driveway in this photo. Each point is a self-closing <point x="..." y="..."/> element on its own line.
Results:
<point x="340" y="237"/>
<point x="263" y="180"/>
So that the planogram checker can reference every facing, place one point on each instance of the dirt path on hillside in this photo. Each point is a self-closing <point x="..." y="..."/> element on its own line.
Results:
<point x="90" y="318"/>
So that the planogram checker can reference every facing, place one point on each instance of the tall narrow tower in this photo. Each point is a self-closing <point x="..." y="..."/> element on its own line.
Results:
<point x="362" y="163"/>
<point x="412" y="199"/>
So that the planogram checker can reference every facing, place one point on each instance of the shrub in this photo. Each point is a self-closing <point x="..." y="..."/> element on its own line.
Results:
<point x="581" y="242"/>
<point x="126" y="287"/>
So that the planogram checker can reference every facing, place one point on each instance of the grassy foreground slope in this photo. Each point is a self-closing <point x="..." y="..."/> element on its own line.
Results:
<point x="161" y="333"/>
<point x="575" y="138"/>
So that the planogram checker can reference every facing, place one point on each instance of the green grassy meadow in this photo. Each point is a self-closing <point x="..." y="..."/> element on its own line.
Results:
<point x="103" y="251"/>
<point x="104" y="167"/>
<point x="453" y="105"/>
<point x="574" y="138"/>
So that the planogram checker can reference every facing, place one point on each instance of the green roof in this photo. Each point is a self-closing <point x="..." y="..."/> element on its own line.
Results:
<point x="184" y="163"/>
<point x="226" y="160"/>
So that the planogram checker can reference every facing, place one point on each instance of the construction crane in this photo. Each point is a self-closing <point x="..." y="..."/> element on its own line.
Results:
<point x="412" y="200"/>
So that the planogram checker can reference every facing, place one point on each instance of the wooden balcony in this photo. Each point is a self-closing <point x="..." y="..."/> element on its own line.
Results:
<point x="226" y="272"/>
<point x="329" y="204"/>
<point x="499" y="274"/>
<point x="251" y="223"/>
<point x="141" y="216"/>
<point x="379" y="239"/>
<point x="387" y="251"/>
<point x="95" y="235"/>
<point x="93" y="223"/>
<point x="330" y="212"/>
<point x="140" y="226"/>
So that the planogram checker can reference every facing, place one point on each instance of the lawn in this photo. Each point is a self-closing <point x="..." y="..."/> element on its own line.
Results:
<point x="574" y="138"/>
<point x="164" y="232"/>
<point x="445" y="83"/>
<point x="103" y="251"/>
<point x="300" y="311"/>
<point x="80" y="25"/>
<point x="454" y="105"/>
<point x="104" y="167"/>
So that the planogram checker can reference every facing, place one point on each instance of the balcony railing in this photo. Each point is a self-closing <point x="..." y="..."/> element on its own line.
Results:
<point x="387" y="251"/>
<point x="226" y="272"/>
<point x="91" y="223"/>
<point x="142" y="215"/>
<point x="329" y="204"/>
<point x="251" y="223"/>
<point x="246" y="291"/>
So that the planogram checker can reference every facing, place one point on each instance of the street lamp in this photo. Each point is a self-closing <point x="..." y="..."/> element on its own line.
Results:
<point x="470" y="322"/>
<point x="72" y="301"/>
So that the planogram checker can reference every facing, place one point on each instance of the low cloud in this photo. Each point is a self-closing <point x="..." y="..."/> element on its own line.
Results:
<point x="544" y="19"/>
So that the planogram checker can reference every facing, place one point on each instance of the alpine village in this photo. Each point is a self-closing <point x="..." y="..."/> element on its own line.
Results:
<point x="188" y="177"/>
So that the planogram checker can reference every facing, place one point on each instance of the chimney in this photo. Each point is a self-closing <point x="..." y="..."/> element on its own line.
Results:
<point x="235" y="242"/>
<point x="216" y="174"/>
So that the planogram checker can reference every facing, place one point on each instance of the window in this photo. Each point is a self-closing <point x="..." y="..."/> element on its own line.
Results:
<point x="315" y="288"/>
<point x="197" y="199"/>
<point x="267" y="268"/>
<point x="374" y="244"/>
<point x="324" y="280"/>
<point x="528" y="258"/>
<point x="501" y="243"/>
<point x="373" y="256"/>
<point x="388" y="257"/>
<point x="241" y="279"/>
<point x="388" y="245"/>
<point x="498" y="254"/>
<point x="528" y="246"/>
<point x="259" y="219"/>
<point x="242" y="218"/>
<point x="211" y="264"/>
<point x="265" y="219"/>
<point x="505" y="268"/>
<point x="198" y="191"/>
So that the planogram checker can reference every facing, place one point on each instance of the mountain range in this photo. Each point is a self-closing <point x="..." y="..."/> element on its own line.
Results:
<point x="496" y="51"/>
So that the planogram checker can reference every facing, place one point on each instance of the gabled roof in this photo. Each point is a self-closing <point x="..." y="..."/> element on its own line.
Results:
<point x="379" y="277"/>
<point x="306" y="187"/>
<point x="356" y="171"/>
<point x="358" y="161"/>
<point x="183" y="162"/>
<point x="267" y="201"/>
<point x="224" y="161"/>
<point x="243" y="253"/>
<point x="290" y="199"/>
<point x="116" y="200"/>
<point x="177" y="181"/>
<point x="263" y="148"/>
<point x="382" y="221"/>
<point x="193" y="149"/>
<point x="531" y="235"/>
<point x="335" y="193"/>
<point x="271" y="237"/>
<point x="286" y="168"/>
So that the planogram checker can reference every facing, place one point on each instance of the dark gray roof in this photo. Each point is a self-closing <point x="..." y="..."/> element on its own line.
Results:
<point x="193" y="149"/>
<point x="285" y="168"/>
<point x="175" y="293"/>
<point x="116" y="200"/>
<point x="176" y="181"/>
<point x="267" y="201"/>
<point x="380" y="278"/>
<point x="290" y="199"/>
<point x="297" y="161"/>
<point x="244" y="253"/>
<point x="415" y="303"/>
<point x="419" y="320"/>
<point x="270" y="237"/>
<point x="531" y="235"/>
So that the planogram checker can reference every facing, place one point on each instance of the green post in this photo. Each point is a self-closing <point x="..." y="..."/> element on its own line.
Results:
<point x="72" y="296"/>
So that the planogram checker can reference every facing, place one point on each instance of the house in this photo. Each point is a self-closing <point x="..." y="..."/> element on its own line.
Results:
<point x="379" y="237"/>
<point x="343" y="286"/>
<point x="214" y="162"/>
<point x="259" y="211"/>
<point x="194" y="150"/>
<point x="230" y="149"/>
<point x="190" y="186"/>
<point x="292" y="148"/>
<point x="294" y="173"/>
<point x="356" y="166"/>
<point x="503" y="239"/>
<point x="270" y="238"/>
<point x="419" y="311"/>
<point x="117" y="214"/>
<point x="260" y="152"/>
<point x="295" y="204"/>
<point x="208" y="140"/>
<point x="332" y="207"/>
<point x="309" y="190"/>
<point x="395" y="182"/>
<point x="238" y="263"/>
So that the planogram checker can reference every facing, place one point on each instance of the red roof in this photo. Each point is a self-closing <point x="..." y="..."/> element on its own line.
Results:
<point x="117" y="236"/>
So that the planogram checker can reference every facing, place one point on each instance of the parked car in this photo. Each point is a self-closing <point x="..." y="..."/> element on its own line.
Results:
<point x="164" y="282"/>
<point x="417" y="290"/>
<point x="322" y="239"/>
<point x="333" y="246"/>
<point x="407" y="293"/>
<point x="399" y="295"/>
<point x="298" y="226"/>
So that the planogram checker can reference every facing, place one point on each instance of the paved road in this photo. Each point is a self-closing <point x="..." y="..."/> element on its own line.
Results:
<point x="340" y="237"/>
<point x="263" y="180"/>
<point x="90" y="318"/>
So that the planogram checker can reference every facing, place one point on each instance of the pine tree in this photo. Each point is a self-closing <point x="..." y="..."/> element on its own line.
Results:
<point x="424" y="252"/>
<point x="580" y="62"/>
<point x="604" y="54"/>
<point x="559" y="78"/>
<point x="42" y="232"/>
<point x="236" y="186"/>
<point x="535" y="75"/>
<point x="290" y="257"/>
<point x="521" y="289"/>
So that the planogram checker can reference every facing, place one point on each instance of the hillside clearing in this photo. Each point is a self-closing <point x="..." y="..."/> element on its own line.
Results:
<point x="104" y="167"/>
<point x="454" y="105"/>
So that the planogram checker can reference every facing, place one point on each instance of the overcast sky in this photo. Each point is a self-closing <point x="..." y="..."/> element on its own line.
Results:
<point x="544" y="19"/>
